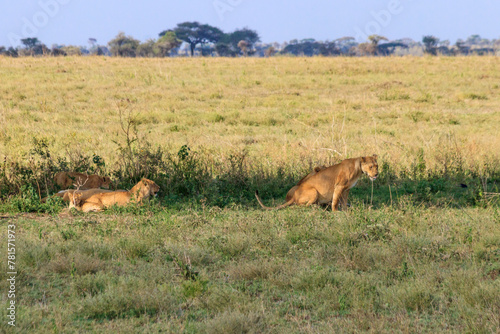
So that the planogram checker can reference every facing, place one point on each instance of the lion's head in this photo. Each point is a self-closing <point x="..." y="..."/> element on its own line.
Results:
<point x="75" y="200"/>
<point x="106" y="182"/>
<point x="148" y="188"/>
<point x="369" y="166"/>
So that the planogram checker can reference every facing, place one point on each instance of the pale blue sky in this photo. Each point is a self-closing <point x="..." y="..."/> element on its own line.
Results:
<point x="74" y="21"/>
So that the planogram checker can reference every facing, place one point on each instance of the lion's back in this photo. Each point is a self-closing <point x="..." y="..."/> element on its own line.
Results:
<point x="82" y="180"/>
<point x="119" y="197"/>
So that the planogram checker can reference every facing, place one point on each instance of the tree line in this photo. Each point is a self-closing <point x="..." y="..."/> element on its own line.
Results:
<point x="196" y="39"/>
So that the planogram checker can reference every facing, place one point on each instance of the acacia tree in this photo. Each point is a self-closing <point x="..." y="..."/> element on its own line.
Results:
<point x="430" y="43"/>
<point x="346" y="44"/>
<point x="32" y="47"/>
<point x="375" y="40"/>
<point x="123" y="46"/>
<point x="30" y="43"/>
<point x="167" y="42"/>
<point x="245" y="34"/>
<point x="370" y="48"/>
<point x="195" y="33"/>
<point x="229" y="43"/>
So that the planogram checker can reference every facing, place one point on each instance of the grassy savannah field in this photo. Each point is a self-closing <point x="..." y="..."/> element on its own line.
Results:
<point x="417" y="251"/>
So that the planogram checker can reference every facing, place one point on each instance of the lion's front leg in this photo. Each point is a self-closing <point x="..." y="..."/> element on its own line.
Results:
<point x="96" y="206"/>
<point x="337" y="194"/>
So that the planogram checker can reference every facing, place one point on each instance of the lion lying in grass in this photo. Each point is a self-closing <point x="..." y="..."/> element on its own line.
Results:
<point x="81" y="180"/>
<point x="67" y="195"/>
<point x="332" y="184"/>
<point x="100" y="201"/>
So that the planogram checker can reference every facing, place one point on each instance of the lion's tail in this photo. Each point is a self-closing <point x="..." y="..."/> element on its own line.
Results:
<point x="284" y="205"/>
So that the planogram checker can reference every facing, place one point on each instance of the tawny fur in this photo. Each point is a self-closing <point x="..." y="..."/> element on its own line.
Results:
<point x="98" y="202"/>
<point x="66" y="194"/>
<point x="332" y="184"/>
<point x="290" y="193"/>
<point x="81" y="180"/>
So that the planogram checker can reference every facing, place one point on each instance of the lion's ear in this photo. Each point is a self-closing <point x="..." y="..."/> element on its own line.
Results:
<point x="375" y="156"/>
<point x="363" y="159"/>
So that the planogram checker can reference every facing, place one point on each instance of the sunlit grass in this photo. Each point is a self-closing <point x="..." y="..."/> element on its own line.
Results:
<point x="301" y="269"/>
<point x="278" y="109"/>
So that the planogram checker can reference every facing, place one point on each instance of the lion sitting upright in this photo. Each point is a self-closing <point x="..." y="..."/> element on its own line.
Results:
<point x="100" y="201"/>
<point x="81" y="180"/>
<point x="290" y="192"/>
<point x="332" y="184"/>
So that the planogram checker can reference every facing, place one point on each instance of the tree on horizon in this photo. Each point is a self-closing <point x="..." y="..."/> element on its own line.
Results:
<point x="123" y="46"/>
<point x="430" y="43"/>
<point x="229" y="44"/>
<point x="30" y="42"/>
<point x="194" y="33"/>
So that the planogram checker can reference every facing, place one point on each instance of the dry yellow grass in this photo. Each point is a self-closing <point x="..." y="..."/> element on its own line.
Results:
<point x="279" y="109"/>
